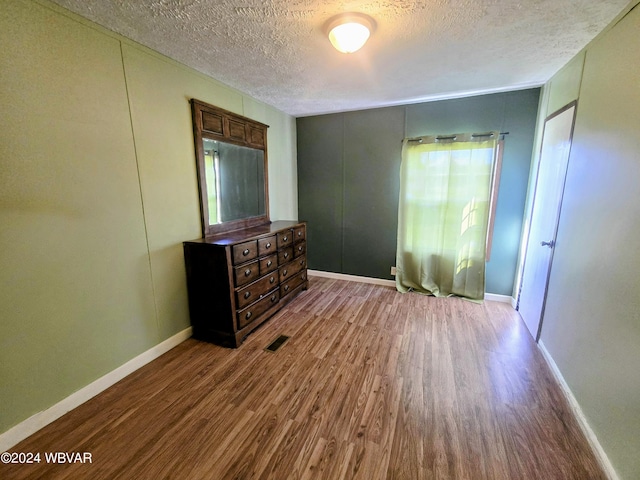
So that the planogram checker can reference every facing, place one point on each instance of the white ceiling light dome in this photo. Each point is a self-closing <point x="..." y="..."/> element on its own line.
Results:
<point x="348" y="32"/>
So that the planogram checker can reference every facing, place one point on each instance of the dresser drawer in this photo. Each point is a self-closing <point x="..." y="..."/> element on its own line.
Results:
<point x="243" y="252"/>
<point x="285" y="238"/>
<point x="267" y="245"/>
<point x="253" y="311"/>
<point x="256" y="290"/>
<point x="291" y="284"/>
<point x="299" y="234"/>
<point x="246" y="273"/>
<point x="285" y="255"/>
<point x="234" y="278"/>
<point x="268" y="264"/>
<point x="299" y="249"/>
<point x="291" y="268"/>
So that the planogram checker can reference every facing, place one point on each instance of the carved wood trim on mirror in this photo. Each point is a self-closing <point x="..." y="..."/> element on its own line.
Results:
<point x="231" y="158"/>
<point x="245" y="268"/>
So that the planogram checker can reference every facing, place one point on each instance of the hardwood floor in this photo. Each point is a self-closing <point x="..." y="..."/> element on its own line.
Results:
<point x="372" y="384"/>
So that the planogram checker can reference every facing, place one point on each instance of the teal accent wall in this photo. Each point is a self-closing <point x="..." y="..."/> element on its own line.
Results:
<point x="321" y="175"/>
<point x="348" y="179"/>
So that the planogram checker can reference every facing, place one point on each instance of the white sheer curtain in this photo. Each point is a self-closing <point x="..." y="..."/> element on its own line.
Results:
<point x="445" y="188"/>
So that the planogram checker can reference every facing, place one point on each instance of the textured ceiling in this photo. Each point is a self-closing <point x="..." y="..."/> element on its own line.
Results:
<point x="276" y="50"/>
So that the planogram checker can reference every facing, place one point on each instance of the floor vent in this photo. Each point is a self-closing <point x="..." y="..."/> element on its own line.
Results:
<point x="277" y="343"/>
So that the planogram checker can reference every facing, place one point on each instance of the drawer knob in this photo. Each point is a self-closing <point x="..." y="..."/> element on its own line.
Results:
<point x="269" y="245"/>
<point x="284" y="239"/>
<point x="269" y="263"/>
<point x="299" y="234"/>
<point x="284" y="272"/>
<point x="300" y="248"/>
<point x="248" y="315"/>
<point x="286" y="288"/>
<point x="286" y="255"/>
<point x="272" y="279"/>
<point x="247" y="272"/>
<point x="245" y="252"/>
<point x="301" y="262"/>
<point x="247" y="294"/>
<point x="273" y="298"/>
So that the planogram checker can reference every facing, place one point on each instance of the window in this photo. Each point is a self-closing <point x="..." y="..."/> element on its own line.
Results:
<point x="447" y="192"/>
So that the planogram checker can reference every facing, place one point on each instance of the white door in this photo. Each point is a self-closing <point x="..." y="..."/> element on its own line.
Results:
<point x="552" y="170"/>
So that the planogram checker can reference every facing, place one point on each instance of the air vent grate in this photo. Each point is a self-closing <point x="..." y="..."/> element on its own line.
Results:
<point x="277" y="343"/>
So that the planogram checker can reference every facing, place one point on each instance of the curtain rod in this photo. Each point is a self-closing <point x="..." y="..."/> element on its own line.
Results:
<point x="453" y="137"/>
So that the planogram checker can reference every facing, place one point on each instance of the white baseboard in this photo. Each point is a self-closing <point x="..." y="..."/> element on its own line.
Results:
<point x="601" y="455"/>
<point x="352" y="278"/>
<point x="492" y="297"/>
<point x="34" y="423"/>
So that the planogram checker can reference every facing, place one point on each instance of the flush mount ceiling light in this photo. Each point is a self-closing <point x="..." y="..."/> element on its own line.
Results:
<point x="348" y="32"/>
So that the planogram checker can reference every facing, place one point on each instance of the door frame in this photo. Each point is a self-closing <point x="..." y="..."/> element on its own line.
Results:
<point x="574" y="103"/>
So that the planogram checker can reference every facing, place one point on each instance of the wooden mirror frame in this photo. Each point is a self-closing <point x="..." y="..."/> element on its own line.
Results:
<point x="218" y="124"/>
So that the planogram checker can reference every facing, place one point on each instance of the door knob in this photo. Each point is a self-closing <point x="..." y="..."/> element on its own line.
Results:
<point x="549" y="244"/>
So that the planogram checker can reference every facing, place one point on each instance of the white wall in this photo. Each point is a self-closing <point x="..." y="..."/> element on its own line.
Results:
<point x="591" y="324"/>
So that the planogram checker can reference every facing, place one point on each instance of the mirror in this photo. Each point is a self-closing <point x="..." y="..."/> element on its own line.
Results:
<point x="235" y="174"/>
<point x="232" y="169"/>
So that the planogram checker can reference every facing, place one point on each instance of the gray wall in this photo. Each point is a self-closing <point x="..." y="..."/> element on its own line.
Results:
<point x="348" y="179"/>
<point x="591" y="324"/>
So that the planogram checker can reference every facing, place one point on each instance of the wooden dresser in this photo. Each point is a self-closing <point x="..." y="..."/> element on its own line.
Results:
<point x="237" y="280"/>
